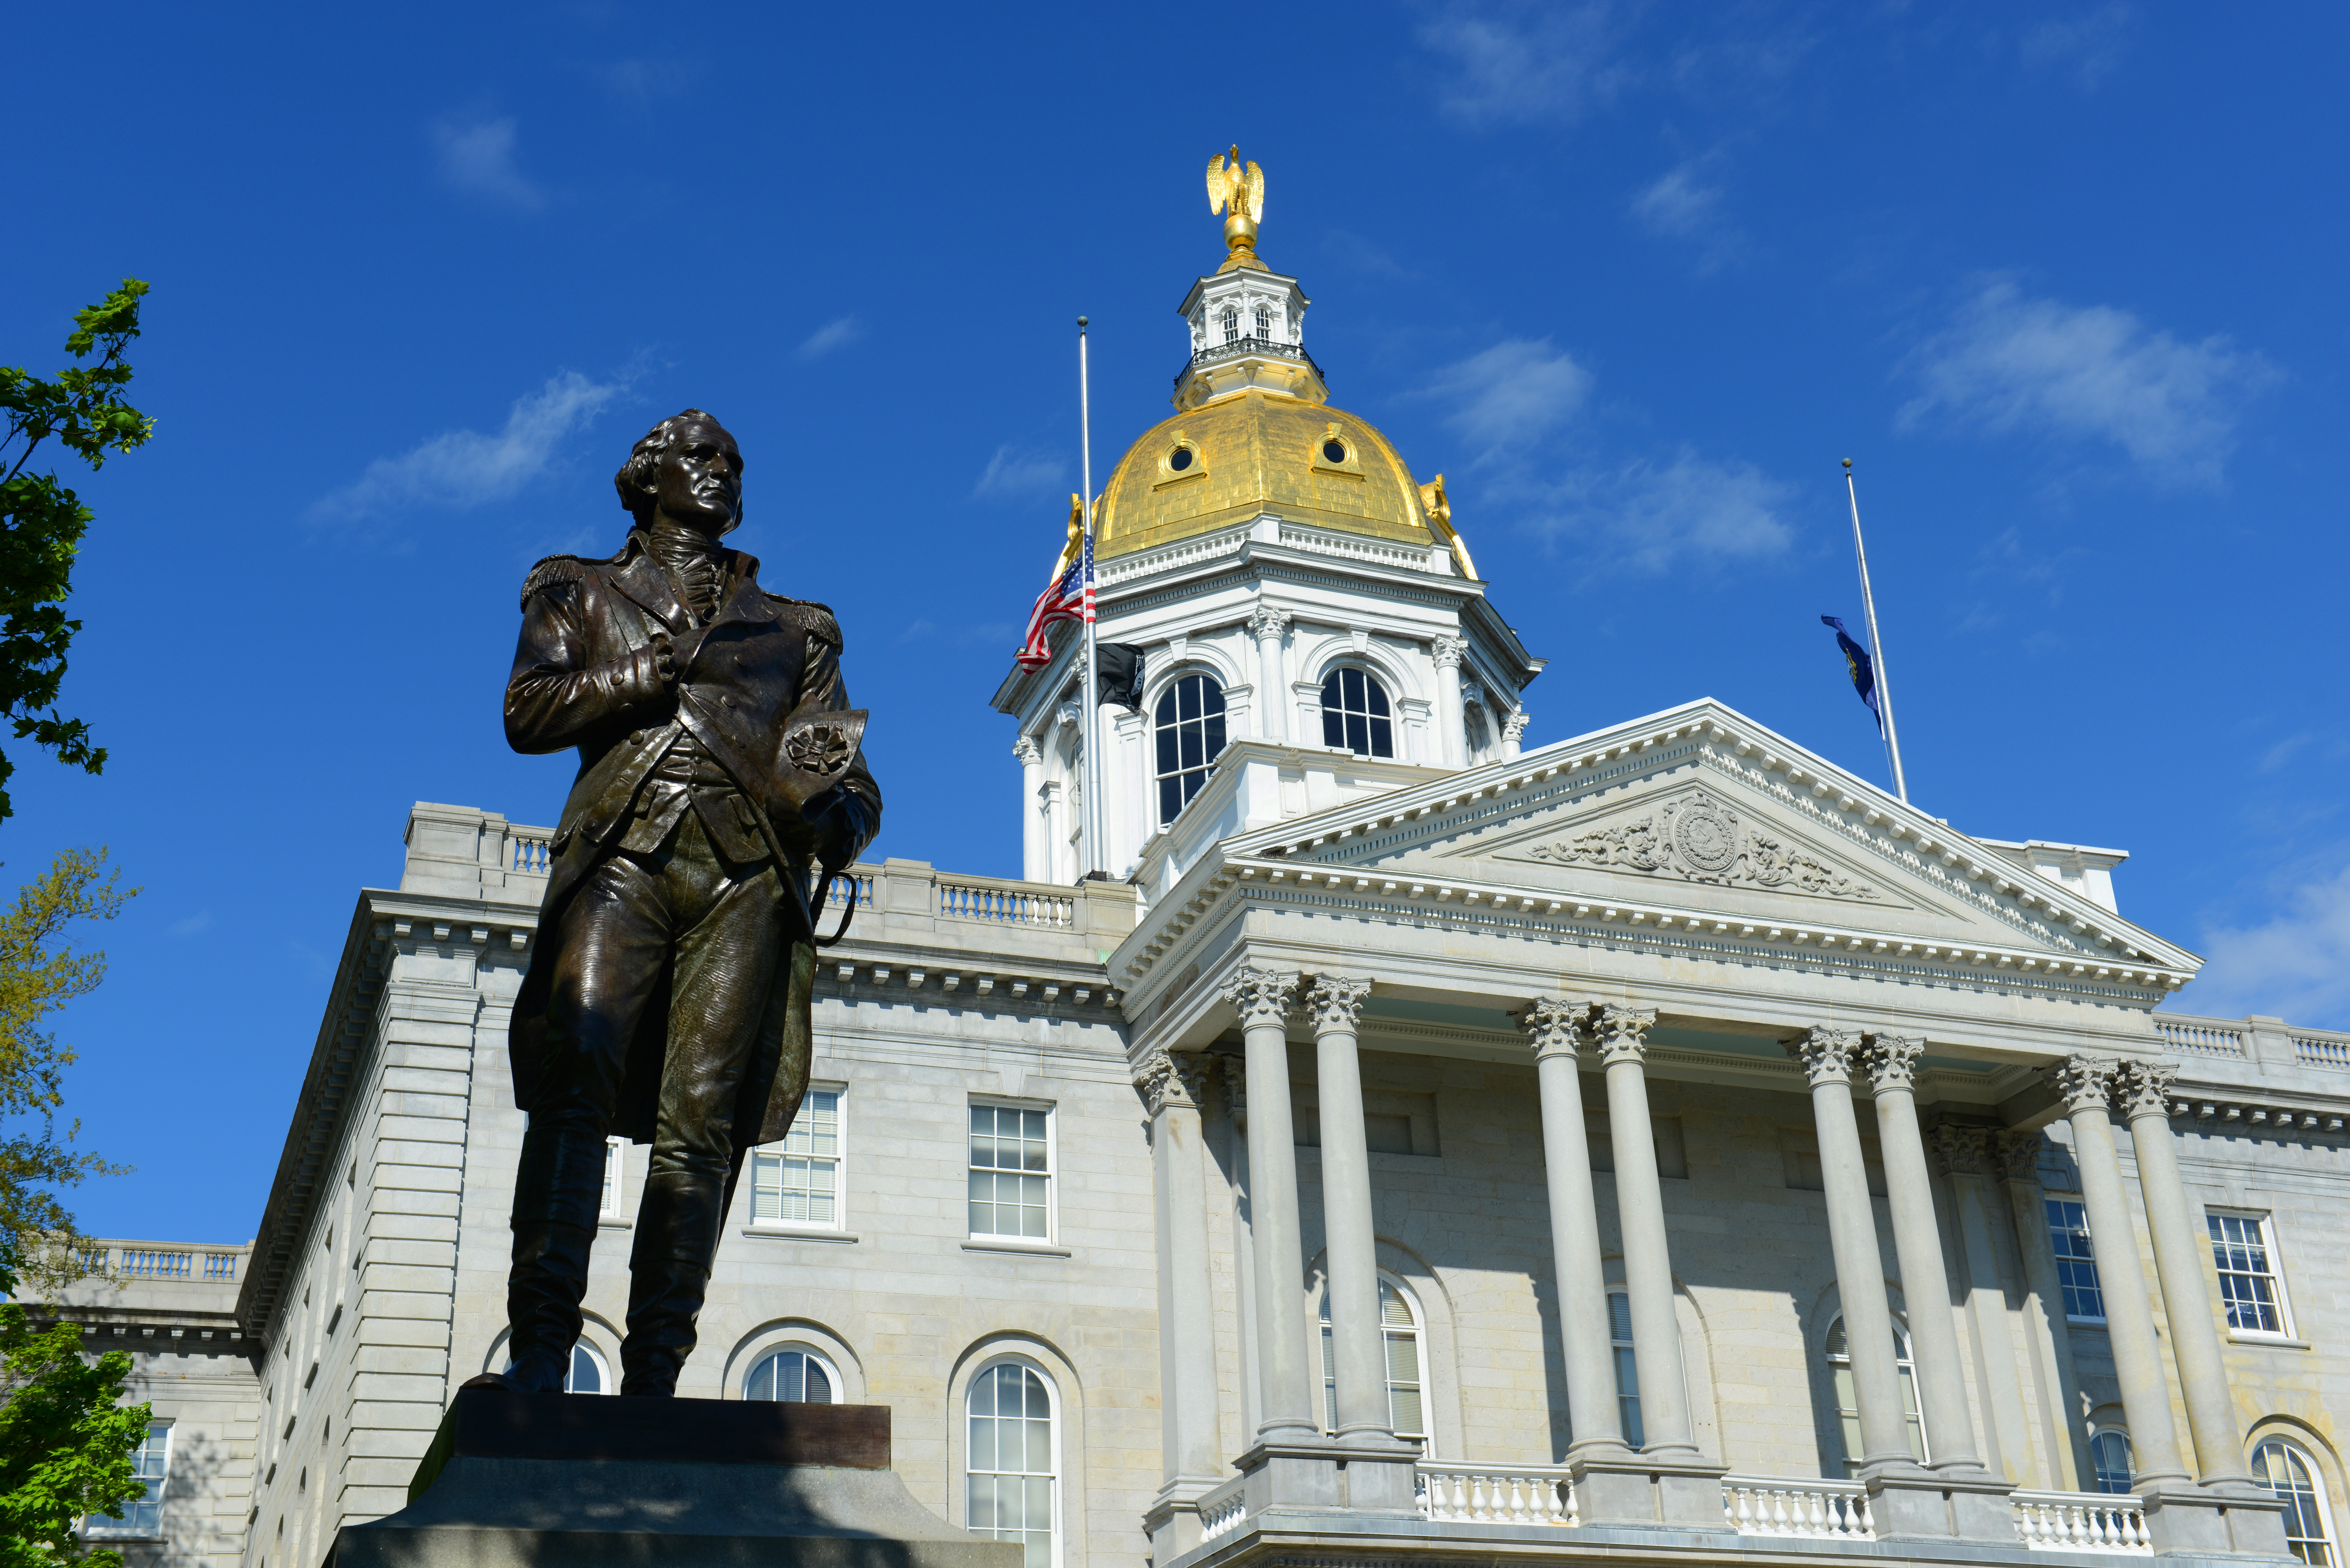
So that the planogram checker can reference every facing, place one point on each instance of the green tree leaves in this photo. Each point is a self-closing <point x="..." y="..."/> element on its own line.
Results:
<point x="65" y="1444"/>
<point x="42" y="521"/>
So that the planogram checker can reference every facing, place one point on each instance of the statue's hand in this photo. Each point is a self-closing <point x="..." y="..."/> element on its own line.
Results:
<point x="676" y="651"/>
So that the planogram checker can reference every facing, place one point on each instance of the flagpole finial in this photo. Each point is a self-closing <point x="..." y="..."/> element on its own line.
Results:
<point x="1847" y="465"/>
<point x="1081" y="325"/>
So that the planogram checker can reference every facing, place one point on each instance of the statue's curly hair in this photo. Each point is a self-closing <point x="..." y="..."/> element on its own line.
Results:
<point x="640" y="474"/>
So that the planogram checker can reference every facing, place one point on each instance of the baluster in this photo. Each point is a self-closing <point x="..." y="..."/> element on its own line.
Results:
<point x="1867" y="1522"/>
<point x="2027" y="1520"/>
<point x="1778" y="1512"/>
<point x="2133" y="1528"/>
<point x="1460" y="1510"/>
<point x="1745" y="1510"/>
<point x="1815" y="1516"/>
<point x="1480" y="1509"/>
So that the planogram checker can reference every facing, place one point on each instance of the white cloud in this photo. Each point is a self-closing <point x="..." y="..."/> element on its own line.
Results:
<point x="1015" y="475"/>
<point x="193" y="925"/>
<point x="1511" y="393"/>
<point x="461" y="469"/>
<point x="2295" y="965"/>
<point x="1516" y="64"/>
<point x="1649" y="515"/>
<point x="2089" y="44"/>
<point x="1684" y="206"/>
<point x="832" y="335"/>
<point x="2008" y="362"/>
<point x="477" y="157"/>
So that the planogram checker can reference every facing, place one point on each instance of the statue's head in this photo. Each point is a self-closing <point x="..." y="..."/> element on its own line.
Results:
<point x="689" y="467"/>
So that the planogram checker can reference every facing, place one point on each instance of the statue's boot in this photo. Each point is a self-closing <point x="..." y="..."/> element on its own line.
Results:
<point x="668" y="1274"/>
<point x="557" y="1191"/>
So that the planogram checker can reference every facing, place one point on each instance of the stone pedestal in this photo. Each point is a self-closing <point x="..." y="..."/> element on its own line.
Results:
<point x="1321" y="1477"/>
<point x="1626" y="1490"/>
<point x="546" y="1481"/>
<point x="1914" y="1503"/>
<point x="2239" y="1520"/>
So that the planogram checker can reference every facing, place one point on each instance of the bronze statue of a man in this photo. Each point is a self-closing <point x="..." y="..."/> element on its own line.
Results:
<point x="668" y="997"/>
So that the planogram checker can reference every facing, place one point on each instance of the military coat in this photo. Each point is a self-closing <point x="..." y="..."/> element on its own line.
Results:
<point x="586" y="674"/>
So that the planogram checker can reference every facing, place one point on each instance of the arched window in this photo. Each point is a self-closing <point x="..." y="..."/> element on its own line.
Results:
<point x="1628" y="1372"/>
<point x="2308" y="1521"/>
<point x="1231" y="324"/>
<point x="796" y="1376"/>
<point x="2110" y="1459"/>
<point x="1407" y="1374"/>
<point x="1189" y="726"/>
<point x="1848" y="1402"/>
<point x="1264" y="323"/>
<point x="588" y="1373"/>
<point x="1012" y="1459"/>
<point x="1355" y="713"/>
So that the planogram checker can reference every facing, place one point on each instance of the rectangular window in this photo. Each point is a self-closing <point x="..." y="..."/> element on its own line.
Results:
<point x="1011" y="1172"/>
<point x="1628" y="1372"/>
<point x="798" y="1180"/>
<point x="2245" y="1246"/>
<point x="149" y="1465"/>
<point x="615" y="1154"/>
<point x="2076" y="1261"/>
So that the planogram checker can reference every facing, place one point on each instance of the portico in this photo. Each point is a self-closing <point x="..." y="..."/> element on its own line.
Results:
<point x="1686" y="917"/>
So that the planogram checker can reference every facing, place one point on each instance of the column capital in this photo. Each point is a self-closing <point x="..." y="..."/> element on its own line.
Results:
<point x="2143" y="1089"/>
<point x="2019" y="1155"/>
<point x="1965" y="1151"/>
<point x="1556" y="1026"/>
<point x="1333" y="1003"/>
<point x="1027" y="751"/>
<point x="1170" y="1083"/>
<point x="1261" y="996"/>
<point x="1447" y="652"/>
<point x="1893" y="1061"/>
<point x="1236" y="1076"/>
<point x="1513" y="723"/>
<point x="2086" y="1081"/>
<point x="1826" y="1054"/>
<point x="1623" y="1032"/>
<point x="1266" y="620"/>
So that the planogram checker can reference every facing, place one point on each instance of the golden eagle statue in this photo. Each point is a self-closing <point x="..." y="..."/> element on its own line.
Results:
<point x="1239" y="188"/>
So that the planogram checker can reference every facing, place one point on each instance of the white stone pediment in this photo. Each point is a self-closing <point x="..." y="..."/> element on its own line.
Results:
<point x="1701" y="823"/>
<point x="1683" y="833"/>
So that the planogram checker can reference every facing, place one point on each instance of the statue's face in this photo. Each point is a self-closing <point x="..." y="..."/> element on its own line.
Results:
<point x="701" y="479"/>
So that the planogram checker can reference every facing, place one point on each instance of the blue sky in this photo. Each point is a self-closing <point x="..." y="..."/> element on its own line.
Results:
<point x="2064" y="280"/>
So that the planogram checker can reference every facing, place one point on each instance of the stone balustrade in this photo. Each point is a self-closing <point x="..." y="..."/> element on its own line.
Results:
<point x="1223" y="1509"/>
<point x="2081" y="1521"/>
<point x="1781" y="1506"/>
<point x="1454" y="1493"/>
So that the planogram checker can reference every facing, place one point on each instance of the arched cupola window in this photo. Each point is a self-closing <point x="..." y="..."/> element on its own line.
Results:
<point x="1355" y="713"/>
<point x="1264" y="323"/>
<point x="1231" y="324"/>
<point x="1189" y="727"/>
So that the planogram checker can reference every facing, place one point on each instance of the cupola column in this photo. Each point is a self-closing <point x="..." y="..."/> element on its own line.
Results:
<point x="1267" y="626"/>
<point x="1035" y="863"/>
<point x="1448" y="652"/>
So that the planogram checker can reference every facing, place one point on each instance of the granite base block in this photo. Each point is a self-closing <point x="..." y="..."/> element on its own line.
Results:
<point x="548" y="1480"/>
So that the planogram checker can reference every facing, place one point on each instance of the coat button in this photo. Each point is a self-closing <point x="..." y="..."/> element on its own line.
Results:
<point x="636" y="737"/>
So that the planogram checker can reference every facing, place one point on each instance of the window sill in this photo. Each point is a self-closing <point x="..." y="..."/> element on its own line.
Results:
<point x="799" y="1233"/>
<point x="2281" y="1341"/>
<point x="614" y="1222"/>
<point x="2084" y="1322"/>
<point x="1014" y="1244"/>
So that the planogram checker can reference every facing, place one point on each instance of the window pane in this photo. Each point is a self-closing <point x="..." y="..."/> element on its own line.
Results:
<point x="1212" y="697"/>
<point x="1382" y="739"/>
<point x="1189" y="739"/>
<point x="2109" y="1455"/>
<point x="1213" y="728"/>
<point x="1403" y="1404"/>
<point x="1330" y="698"/>
<point x="1166" y="713"/>
<point x="1167" y="755"/>
<point x="585" y="1378"/>
<point x="1358" y="735"/>
<point x="1377" y="695"/>
<point x="1171" y="797"/>
<point x="1351" y="683"/>
<point x="1333" y="726"/>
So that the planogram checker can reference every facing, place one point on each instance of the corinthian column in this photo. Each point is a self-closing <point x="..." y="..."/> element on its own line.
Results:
<point x="1447" y="652"/>
<point x="1918" y="1241"/>
<point x="1554" y="1028"/>
<point x="1262" y="998"/>
<point x="1357" y="1348"/>
<point x="1272" y="708"/>
<point x="1173" y="1086"/>
<point x="2086" y="1082"/>
<point x="1640" y="1213"/>
<point x="2143" y="1088"/>
<point x="1035" y="864"/>
<point x="1827" y="1058"/>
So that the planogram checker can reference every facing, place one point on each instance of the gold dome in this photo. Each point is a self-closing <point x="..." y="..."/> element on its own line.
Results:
<point x="1252" y="452"/>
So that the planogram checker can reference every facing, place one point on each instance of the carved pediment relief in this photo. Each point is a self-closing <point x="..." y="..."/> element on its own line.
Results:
<point x="1697" y="837"/>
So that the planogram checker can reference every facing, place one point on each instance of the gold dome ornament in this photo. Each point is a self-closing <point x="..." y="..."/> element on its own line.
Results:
<point x="1239" y="187"/>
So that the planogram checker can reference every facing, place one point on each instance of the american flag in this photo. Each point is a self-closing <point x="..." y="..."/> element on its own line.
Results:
<point x="1069" y="596"/>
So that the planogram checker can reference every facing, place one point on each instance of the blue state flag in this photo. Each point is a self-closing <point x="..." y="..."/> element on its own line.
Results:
<point x="1861" y="668"/>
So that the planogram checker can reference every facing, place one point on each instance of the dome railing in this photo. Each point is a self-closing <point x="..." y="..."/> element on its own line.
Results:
<point x="1240" y="347"/>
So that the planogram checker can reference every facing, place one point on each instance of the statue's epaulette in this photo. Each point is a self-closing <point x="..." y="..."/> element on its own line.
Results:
<point x="811" y="618"/>
<point x="560" y="570"/>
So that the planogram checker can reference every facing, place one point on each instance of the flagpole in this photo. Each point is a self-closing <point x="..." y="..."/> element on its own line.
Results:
<point x="1092" y="827"/>
<point x="1875" y="643"/>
